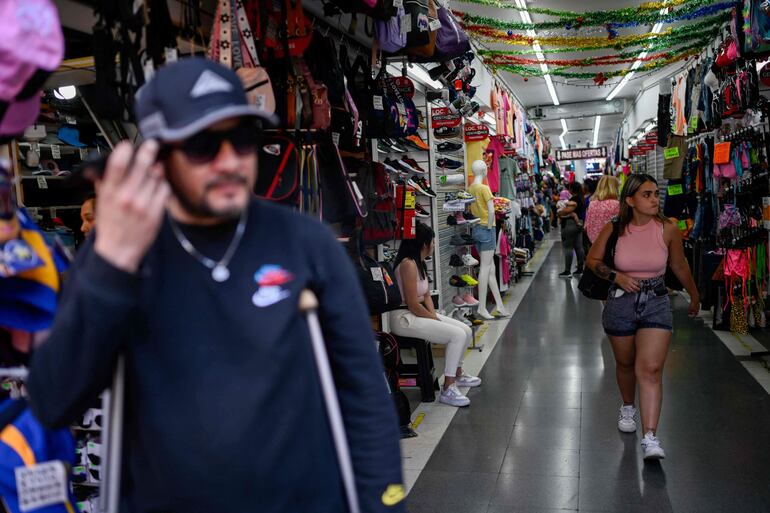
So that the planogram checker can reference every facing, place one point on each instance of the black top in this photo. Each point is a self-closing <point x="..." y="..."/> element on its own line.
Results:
<point x="580" y="210"/>
<point x="224" y="408"/>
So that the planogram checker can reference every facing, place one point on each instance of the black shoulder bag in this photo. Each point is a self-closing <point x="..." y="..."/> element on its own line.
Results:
<point x="590" y="284"/>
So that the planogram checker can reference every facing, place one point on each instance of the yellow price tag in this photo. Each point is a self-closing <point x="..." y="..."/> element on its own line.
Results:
<point x="671" y="153"/>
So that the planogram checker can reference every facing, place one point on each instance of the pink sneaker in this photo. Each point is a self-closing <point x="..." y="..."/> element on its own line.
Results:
<point x="470" y="300"/>
<point x="460" y="218"/>
<point x="458" y="301"/>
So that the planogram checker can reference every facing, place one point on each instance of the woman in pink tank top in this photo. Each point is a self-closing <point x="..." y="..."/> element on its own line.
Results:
<point x="637" y="317"/>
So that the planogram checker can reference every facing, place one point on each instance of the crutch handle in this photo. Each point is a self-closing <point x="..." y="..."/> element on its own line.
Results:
<point x="307" y="301"/>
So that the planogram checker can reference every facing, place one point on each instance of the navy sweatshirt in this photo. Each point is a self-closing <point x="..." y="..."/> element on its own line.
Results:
<point x="224" y="408"/>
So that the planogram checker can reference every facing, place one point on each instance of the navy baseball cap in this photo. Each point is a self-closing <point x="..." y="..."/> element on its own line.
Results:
<point x="190" y="95"/>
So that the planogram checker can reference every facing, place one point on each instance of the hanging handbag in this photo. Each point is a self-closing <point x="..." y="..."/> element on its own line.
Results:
<point x="451" y="39"/>
<point x="321" y="109"/>
<point x="390" y="37"/>
<point x="590" y="284"/>
<point x="378" y="282"/>
<point x="421" y="38"/>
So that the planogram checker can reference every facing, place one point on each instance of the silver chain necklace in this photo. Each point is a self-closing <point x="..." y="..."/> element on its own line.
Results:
<point x="219" y="271"/>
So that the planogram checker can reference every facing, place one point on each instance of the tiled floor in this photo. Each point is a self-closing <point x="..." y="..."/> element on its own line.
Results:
<point x="541" y="436"/>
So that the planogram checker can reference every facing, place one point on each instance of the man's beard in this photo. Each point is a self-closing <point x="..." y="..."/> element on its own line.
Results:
<point x="202" y="208"/>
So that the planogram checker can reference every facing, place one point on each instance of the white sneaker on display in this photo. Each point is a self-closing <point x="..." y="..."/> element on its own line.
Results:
<point x="466" y="380"/>
<point x="626" y="419"/>
<point x="651" y="447"/>
<point x="469" y="260"/>
<point x="453" y="397"/>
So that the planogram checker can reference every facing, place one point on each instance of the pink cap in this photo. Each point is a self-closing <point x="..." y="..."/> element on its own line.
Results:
<point x="19" y="116"/>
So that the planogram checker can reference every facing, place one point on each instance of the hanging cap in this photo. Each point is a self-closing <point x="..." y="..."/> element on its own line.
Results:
<point x="190" y="95"/>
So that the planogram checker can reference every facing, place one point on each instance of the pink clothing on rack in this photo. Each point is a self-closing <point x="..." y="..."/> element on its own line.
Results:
<point x="599" y="214"/>
<point x="493" y="173"/>
<point x="503" y="251"/>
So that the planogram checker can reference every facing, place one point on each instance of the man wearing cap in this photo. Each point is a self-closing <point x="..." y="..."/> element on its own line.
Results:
<point x="197" y="284"/>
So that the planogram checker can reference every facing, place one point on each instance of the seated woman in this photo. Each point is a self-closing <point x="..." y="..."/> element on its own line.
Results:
<point x="420" y="320"/>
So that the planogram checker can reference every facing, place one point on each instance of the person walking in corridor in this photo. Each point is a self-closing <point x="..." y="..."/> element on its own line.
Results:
<point x="572" y="216"/>
<point x="637" y="317"/>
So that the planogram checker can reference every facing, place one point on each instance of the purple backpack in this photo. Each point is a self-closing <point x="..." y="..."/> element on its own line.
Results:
<point x="389" y="36"/>
<point x="451" y="40"/>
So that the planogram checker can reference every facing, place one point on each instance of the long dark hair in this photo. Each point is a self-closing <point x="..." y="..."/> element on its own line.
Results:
<point x="576" y="189"/>
<point x="412" y="248"/>
<point x="633" y="182"/>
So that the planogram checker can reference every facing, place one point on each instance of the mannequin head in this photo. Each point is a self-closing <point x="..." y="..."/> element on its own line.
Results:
<point x="479" y="168"/>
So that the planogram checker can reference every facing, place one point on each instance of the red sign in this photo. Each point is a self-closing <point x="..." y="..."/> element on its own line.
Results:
<point x="442" y="116"/>
<point x="635" y="152"/>
<point x="645" y="146"/>
<point x="652" y="137"/>
<point x="404" y="85"/>
<point x="475" y="132"/>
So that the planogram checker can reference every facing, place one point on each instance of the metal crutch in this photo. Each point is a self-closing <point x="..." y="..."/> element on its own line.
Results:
<point x="114" y="401"/>
<point x="308" y="303"/>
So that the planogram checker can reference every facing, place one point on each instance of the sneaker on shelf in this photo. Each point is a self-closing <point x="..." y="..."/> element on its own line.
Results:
<point x="451" y="220"/>
<point x="466" y="380"/>
<point x="469" y="280"/>
<point x="453" y="179"/>
<point x="471" y="218"/>
<point x="651" y="447"/>
<point x="393" y="146"/>
<point x="464" y="195"/>
<point x="411" y="165"/>
<point x="391" y="166"/>
<point x="469" y="260"/>
<point x="449" y="164"/>
<point x="425" y="186"/>
<point x="468" y="239"/>
<point x="626" y="419"/>
<point x="421" y="212"/>
<point x="449" y="147"/>
<point x="470" y="300"/>
<point x="455" y="260"/>
<point x="461" y="218"/>
<point x="445" y="132"/>
<point x="383" y="148"/>
<point x="458" y="301"/>
<point x="453" y="397"/>
<point x="413" y="183"/>
<point x="416" y="142"/>
<point x="456" y="281"/>
<point x="565" y="274"/>
<point x="459" y="314"/>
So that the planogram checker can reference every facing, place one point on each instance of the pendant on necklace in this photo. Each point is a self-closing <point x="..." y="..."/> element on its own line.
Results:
<point x="220" y="273"/>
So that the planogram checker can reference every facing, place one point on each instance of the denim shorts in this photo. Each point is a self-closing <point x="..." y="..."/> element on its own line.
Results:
<point x="484" y="238"/>
<point x="627" y="312"/>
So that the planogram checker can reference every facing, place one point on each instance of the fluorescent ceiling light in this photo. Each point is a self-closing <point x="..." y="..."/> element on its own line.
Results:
<point x="596" y="129"/>
<point x="419" y="73"/>
<point x="620" y="86"/>
<point x="563" y="144"/>
<point x="65" y="92"/>
<point x="551" y="90"/>
<point x="649" y="127"/>
<point x="564" y="126"/>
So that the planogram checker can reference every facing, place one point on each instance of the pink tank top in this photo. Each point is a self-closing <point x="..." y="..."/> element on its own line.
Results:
<point x="422" y="284"/>
<point x="641" y="251"/>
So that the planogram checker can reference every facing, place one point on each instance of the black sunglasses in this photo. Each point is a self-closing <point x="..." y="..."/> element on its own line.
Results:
<point x="204" y="147"/>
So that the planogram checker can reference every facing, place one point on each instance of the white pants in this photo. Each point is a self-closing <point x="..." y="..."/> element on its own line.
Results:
<point x="451" y="332"/>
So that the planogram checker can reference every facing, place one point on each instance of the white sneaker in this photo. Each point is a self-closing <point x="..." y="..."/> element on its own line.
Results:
<point x="626" y="419"/>
<point x="453" y="397"/>
<point x="469" y="260"/>
<point x="651" y="447"/>
<point x="466" y="380"/>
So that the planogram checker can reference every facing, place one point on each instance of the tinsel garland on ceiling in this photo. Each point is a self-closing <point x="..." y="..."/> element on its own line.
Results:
<point x="644" y="14"/>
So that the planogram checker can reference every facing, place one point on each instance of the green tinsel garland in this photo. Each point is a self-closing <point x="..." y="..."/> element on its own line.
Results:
<point x="644" y="19"/>
<point x="527" y="71"/>
<point x="705" y="32"/>
<point x="625" y="15"/>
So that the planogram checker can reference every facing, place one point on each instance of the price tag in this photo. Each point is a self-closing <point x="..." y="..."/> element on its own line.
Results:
<point x="376" y="274"/>
<point x="56" y="151"/>
<point x="682" y="225"/>
<point x="377" y="102"/>
<point x="401" y="109"/>
<point x="72" y="120"/>
<point x="398" y="3"/>
<point x="336" y="138"/>
<point x="671" y="153"/>
<point x="675" y="190"/>
<point x="41" y="182"/>
<point x="41" y="485"/>
<point x="35" y="146"/>
<point x="83" y="153"/>
<point x="434" y="25"/>
<point x="53" y="212"/>
<point x="406" y="23"/>
<point x="694" y="123"/>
